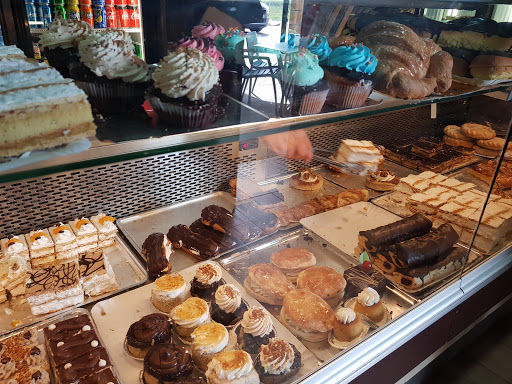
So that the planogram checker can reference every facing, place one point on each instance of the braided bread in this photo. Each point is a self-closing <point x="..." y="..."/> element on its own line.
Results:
<point x="410" y="67"/>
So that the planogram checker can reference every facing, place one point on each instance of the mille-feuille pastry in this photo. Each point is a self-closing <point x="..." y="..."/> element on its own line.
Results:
<point x="307" y="315"/>
<point x="478" y="131"/>
<point x="168" y="291"/>
<point x="307" y="180"/>
<point x="324" y="282"/>
<point x="292" y="261"/>
<point x="267" y="284"/>
<point x="157" y="250"/>
<point x="261" y="218"/>
<point x="41" y="247"/>
<point x="14" y="245"/>
<point x="107" y="230"/>
<point x="347" y="325"/>
<point x="369" y="304"/>
<point x="382" y="180"/>
<point x="255" y="329"/>
<point x="66" y="243"/>
<point x="363" y="153"/>
<point x="14" y="273"/>
<point x="221" y="219"/>
<point x="228" y="306"/>
<point x="232" y="367"/>
<point x="182" y="237"/>
<point x="150" y="330"/>
<point x="224" y="242"/>
<point x="362" y="276"/>
<point x="167" y="364"/>
<point x="208" y="340"/>
<point x="277" y="361"/>
<point x="426" y="148"/>
<point x="96" y="273"/>
<point x="189" y="315"/>
<point x="86" y="234"/>
<point x="207" y="279"/>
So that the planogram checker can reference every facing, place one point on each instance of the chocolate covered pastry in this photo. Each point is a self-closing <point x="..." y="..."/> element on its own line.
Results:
<point x="195" y="244"/>
<point x="82" y="366"/>
<point x="165" y="363"/>
<point x="426" y="248"/>
<point x="267" y="221"/>
<point x="222" y="220"/>
<point x="157" y="250"/>
<point x="224" y="242"/>
<point x="148" y="331"/>
<point x="426" y="147"/>
<point x="104" y="376"/>
<point x="359" y="277"/>
<point x="405" y="229"/>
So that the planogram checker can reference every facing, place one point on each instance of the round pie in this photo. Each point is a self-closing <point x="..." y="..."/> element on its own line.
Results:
<point x="455" y="132"/>
<point x="496" y="143"/>
<point x="478" y="131"/>
<point x="457" y="142"/>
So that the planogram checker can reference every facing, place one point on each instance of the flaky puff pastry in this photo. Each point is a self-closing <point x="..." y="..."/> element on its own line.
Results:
<point x="267" y="284"/>
<point x="324" y="282"/>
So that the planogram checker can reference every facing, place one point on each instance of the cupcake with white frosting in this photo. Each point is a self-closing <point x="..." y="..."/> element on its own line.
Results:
<point x="207" y="279"/>
<point x="277" y="361"/>
<point x="228" y="306"/>
<point x="168" y="291"/>
<point x="208" y="340"/>
<point x="189" y="315"/>
<point x="256" y="329"/>
<point x="110" y="72"/>
<point x="186" y="89"/>
<point x="369" y="304"/>
<point x="60" y="42"/>
<point x="233" y="367"/>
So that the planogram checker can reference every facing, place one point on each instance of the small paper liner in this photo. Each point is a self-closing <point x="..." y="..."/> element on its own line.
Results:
<point x="346" y="94"/>
<point x="333" y="341"/>
<point x="312" y="103"/>
<point x="113" y="97"/>
<point x="182" y="116"/>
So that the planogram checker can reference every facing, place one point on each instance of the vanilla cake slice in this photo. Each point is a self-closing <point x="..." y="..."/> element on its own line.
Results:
<point x="107" y="230"/>
<point x="14" y="245"/>
<point x="39" y="108"/>
<point x="86" y="234"/>
<point x="41" y="247"/>
<point x="66" y="243"/>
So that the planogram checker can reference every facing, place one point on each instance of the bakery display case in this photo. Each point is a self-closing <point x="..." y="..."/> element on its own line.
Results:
<point x="394" y="228"/>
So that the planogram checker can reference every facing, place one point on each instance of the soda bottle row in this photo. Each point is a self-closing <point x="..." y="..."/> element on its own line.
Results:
<point x="39" y="11"/>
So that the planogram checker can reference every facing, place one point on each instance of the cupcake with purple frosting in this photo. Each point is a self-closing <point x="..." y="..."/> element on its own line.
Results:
<point x="348" y="72"/>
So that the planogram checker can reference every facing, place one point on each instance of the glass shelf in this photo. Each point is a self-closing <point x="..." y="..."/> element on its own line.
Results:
<point x="125" y="138"/>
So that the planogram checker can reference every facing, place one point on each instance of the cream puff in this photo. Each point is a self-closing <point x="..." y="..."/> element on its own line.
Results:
<point x="347" y="325"/>
<point x="232" y="367"/>
<point x="324" y="282"/>
<point x="292" y="261"/>
<point x="307" y="180"/>
<point x="208" y="340"/>
<point x="267" y="284"/>
<point x="369" y="304"/>
<point x="148" y="331"/>
<point x="189" y="315"/>
<point x="168" y="291"/>
<point x="165" y="364"/>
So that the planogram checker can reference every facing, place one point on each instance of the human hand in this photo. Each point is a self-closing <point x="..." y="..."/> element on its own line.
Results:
<point x="292" y="145"/>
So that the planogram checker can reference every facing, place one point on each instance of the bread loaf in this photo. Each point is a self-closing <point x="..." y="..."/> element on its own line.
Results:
<point x="410" y="67"/>
<point x="491" y="67"/>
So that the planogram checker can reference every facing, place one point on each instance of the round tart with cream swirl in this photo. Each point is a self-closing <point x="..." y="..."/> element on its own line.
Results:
<point x="207" y="279"/>
<point x="277" y="361"/>
<point x="255" y="329"/>
<point x="148" y="331"/>
<point x="228" y="306"/>
<point x="382" y="180"/>
<point x="307" y="180"/>
<point x="166" y="363"/>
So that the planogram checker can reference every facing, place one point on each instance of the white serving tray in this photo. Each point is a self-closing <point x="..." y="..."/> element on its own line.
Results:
<point x="114" y="316"/>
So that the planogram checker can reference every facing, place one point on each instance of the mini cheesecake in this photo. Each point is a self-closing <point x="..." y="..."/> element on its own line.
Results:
<point x="189" y="315"/>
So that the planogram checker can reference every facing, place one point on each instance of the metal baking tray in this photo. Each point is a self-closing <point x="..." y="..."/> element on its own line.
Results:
<point x="127" y="268"/>
<point x="115" y="315"/>
<point x="39" y="327"/>
<point x="326" y="255"/>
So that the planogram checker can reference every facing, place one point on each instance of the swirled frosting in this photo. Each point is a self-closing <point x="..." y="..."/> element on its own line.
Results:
<point x="186" y="72"/>
<point x="368" y="297"/>
<point x="317" y="45"/>
<point x="206" y="46"/>
<point x="210" y="338"/>
<point x="230" y="365"/>
<point x="303" y="69"/>
<point x="111" y="54"/>
<point x="191" y="313"/>
<point x="356" y="57"/>
<point x="65" y="33"/>
<point x="228" y="298"/>
<point x="227" y="42"/>
<point x="277" y="356"/>
<point x="171" y="285"/>
<point x="257" y="322"/>
<point x="207" y="30"/>
<point x="345" y="315"/>
<point x="208" y="273"/>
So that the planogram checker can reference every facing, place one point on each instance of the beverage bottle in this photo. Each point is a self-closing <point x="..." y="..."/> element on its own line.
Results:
<point x="137" y="47"/>
<point x="123" y="19"/>
<point x="133" y="13"/>
<point x="86" y="13"/>
<point x="46" y="13"/>
<point x="100" y="16"/>
<point x="58" y="9"/>
<point x="111" y="16"/>
<point x="72" y="9"/>
<point x="31" y="10"/>
<point x="39" y="14"/>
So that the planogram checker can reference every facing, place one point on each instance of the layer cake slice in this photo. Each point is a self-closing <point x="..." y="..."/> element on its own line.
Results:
<point x="41" y="247"/>
<point x="66" y="243"/>
<point x="107" y="230"/>
<point x="96" y="274"/>
<point x="13" y="245"/>
<point x="86" y="234"/>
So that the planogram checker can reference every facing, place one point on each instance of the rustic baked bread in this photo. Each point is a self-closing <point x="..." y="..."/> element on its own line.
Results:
<point x="491" y="67"/>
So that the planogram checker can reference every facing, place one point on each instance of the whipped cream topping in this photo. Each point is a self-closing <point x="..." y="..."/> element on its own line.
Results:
<point x="15" y="246"/>
<point x="228" y="298"/>
<point x="368" y="297"/>
<point x="36" y="356"/>
<point x="111" y="54"/>
<point x="257" y="322"/>
<point x="277" y="356"/>
<point x="171" y="286"/>
<point x="43" y="379"/>
<point x="186" y="72"/>
<point x="308" y="176"/>
<point x="191" y="313"/>
<point x="230" y="365"/>
<point x="108" y="226"/>
<point x="210" y="338"/>
<point x="65" y="235"/>
<point x="345" y="315"/>
<point x="208" y="274"/>
<point x="382" y="175"/>
<point x="86" y="228"/>
<point x="65" y="33"/>
<point x="41" y="241"/>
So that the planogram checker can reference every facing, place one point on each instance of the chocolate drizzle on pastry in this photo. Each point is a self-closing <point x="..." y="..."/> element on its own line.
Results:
<point x="167" y="362"/>
<point x="358" y="278"/>
<point x="154" y="250"/>
<point x="200" y="246"/>
<point x="91" y="262"/>
<point x="149" y="330"/>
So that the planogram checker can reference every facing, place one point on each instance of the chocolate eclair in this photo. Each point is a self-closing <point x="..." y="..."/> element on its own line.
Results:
<point x="193" y="243"/>
<point x="224" y="242"/>
<point x="166" y="363"/>
<point x="222" y="220"/>
<point x="157" y="249"/>
<point x="150" y="330"/>
<point x="83" y="366"/>
<point x="263" y="219"/>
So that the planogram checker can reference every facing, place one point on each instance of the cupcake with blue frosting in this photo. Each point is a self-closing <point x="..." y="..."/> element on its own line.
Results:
<point x="231" y="44"/>
<point x="304" y="84"/>
<point x="348" y="72"/>
<point x="317" y="45"/>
